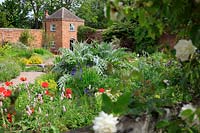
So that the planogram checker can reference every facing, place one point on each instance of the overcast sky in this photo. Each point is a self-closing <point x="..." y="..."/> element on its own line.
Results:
<point x="1" y="1"/>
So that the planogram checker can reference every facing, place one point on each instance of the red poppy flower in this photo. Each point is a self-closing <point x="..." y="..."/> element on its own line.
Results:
<point x="102" y="90"/>
<point x="23" y="79"/>
<point x="68" y="93"/>
<point x="7" y="93"/>
<point x="9" y="117"/>
<point x="8" y="83"/>
<point x="45" y="84"/>
<point x="47" y="92"/>
<point x="2" y="89"/>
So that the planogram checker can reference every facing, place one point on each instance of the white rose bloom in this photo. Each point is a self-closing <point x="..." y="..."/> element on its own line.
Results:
<point x="105" y="123"/>
<point x="189" y="106"/>
<point x="184" y="49"/>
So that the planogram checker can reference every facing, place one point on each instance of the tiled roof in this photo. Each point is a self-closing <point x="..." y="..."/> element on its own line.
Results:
<point x="63" y="14"/>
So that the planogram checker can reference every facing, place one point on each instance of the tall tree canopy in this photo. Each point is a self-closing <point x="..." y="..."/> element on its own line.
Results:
<point x="92" y="11"/>
<point x="14" y="13"/>
<point x="29" y="13"/>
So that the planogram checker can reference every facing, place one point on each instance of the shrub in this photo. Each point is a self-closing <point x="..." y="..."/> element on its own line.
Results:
<point x="26" y="38"/>
<point x="85" y="33"/>
<point x="8" y="70"/>
<point x="131" y="36"/>
<point x="43" y="52"/>
<point x="35" y="59"/>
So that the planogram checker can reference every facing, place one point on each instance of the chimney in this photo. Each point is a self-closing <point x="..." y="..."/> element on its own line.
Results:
<point x="46" y="14"/>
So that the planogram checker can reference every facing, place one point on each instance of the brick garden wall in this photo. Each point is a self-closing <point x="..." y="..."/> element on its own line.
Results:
<point x="12" y="35"/>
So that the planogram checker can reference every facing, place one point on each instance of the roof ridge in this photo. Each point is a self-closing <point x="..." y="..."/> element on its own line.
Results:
<point x="64" y="13"/>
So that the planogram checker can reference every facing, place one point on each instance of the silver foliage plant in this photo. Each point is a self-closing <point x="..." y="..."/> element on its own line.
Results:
<point x="95" y="55"/>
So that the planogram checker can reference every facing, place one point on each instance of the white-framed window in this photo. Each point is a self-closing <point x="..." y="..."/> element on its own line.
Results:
<point x="52" y="27"/>
<point x="71" y="27"/>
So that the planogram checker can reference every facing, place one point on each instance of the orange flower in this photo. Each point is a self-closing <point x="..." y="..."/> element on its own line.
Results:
<point x="45" y="84"/>
<point x="23" y="79"/>
<point x="7" y="83"/>
<point x="32" y="110"/>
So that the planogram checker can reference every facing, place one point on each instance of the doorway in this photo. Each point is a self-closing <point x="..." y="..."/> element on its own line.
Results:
<point x="72" y="41"/>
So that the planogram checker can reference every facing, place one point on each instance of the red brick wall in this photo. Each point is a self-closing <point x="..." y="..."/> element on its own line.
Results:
<point x="56" y="35"/>
<point x="62" y="35"/>
<point x="13" y="34"/>
<point x="67" y="34"/>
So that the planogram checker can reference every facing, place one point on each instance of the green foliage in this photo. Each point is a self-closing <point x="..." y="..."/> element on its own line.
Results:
<point x="50" y="113"/>
<point x="16" y="14"/>
<point x="46" y="40"/>
<point x="3" y="21"/>
<point x="92" y="11"/>
<point x="191" y="75"/>
<point x="131" y="36"/>
<point x="84" y="33"/>
<point x="9" y="69"/>
<point x="153" y="18"/>
<point x="26" y="38"/>
<point x="118" y="107"/>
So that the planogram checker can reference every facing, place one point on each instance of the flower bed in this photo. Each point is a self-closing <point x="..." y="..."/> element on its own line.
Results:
<point x="94" y="78"/>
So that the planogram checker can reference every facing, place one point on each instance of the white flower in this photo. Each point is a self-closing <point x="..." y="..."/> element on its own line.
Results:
<point x="105" y="123"/>
<point x="184" y="49"/>
<point x="189" y="106"/>
<point x="64" y="109"/>
<point x="39" y="110"/>
<point x="166" y="82"/>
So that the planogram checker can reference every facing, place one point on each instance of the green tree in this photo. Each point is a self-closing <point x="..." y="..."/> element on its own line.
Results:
<point x="92" y="11"/>
<point x="39" y="6"/>
<point x="14" y="13"/>
<point x="158" y="16"/>
<point x="3" y="20"/>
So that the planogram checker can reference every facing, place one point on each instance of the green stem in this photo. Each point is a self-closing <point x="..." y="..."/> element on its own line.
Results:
<point x="3" y="116"/>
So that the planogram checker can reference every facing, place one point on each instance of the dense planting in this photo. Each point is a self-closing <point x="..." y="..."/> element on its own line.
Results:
<point x="94" y="78"/>
<point x="15" y="57"/>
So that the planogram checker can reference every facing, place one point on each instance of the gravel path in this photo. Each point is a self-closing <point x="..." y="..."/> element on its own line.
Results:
<point x="31" y="76"/>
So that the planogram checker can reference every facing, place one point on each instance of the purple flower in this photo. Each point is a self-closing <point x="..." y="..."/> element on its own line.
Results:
<point x="73" y="72"/>
<point x="87" y="91"/>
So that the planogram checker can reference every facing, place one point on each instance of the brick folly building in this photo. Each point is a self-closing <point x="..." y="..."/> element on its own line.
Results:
<point x="62" y="26"/>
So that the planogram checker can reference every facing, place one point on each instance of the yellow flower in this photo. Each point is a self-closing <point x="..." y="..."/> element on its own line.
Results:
<point x="157" y="96"/>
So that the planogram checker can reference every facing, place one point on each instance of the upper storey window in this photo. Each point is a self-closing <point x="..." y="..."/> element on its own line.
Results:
<point x="52" y="27"/>
<point x="71" y="27"/>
